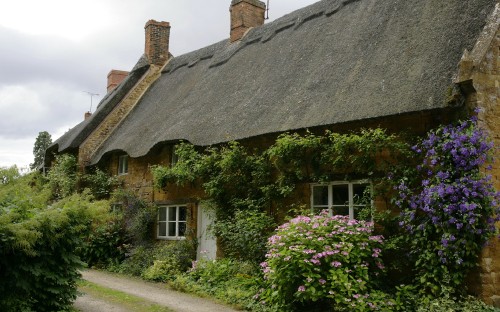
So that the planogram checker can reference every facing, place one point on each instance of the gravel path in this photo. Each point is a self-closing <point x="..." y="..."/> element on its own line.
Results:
<point x="156" y="293"/>
<point x="87" y="303"/>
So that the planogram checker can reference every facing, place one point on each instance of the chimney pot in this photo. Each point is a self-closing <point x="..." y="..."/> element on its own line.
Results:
<point x="157" y="42"/>
<point x="245" y="14"/>
<point x="115" y="77"/>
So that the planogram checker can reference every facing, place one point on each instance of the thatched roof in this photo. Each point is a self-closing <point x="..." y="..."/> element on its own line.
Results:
<point x="76" y="135"/>
<point x="331" y="62"/>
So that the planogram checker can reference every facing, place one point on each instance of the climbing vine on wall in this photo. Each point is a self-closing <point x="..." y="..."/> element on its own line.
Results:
<point x="449" y="207"/>
<point x="235" y="177"/>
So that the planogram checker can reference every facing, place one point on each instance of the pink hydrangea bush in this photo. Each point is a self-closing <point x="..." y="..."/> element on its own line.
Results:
<point x="324" y="258"/>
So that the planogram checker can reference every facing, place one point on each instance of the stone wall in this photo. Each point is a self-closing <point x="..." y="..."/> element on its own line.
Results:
<point x="485" y="59"/>
<point x="116" y="116"/>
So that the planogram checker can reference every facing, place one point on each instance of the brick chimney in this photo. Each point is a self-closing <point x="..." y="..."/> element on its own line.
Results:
<point x="87" y="115"/>
<point x="157" y="40"/>
<point x="115" y="77"/>
<point x="245" y="14"/>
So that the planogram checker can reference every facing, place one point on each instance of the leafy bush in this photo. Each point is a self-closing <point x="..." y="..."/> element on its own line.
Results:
<point x="169" y="260"/>
<point x="23" y="194"/>
<point x="449" y="211"/>
<point x="107" y="240"/>
<point x="100" y="183"/>
<point x="136" y="262"/>
<point x="62" y="177"/>
<point x="8" y="175"/>
<point x="322" y="258"/>
<point x="162" y="270"/>
<point x="231" y="281"/>
<point x="446" y="304"/>
<point x="38" y="264"/>
<point x="139" y="216"/>
<point x="160" y="261"/>
<point x="244" y="236"/>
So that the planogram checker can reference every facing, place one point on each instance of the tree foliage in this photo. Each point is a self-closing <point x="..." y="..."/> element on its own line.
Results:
<point x="43" y="141"/>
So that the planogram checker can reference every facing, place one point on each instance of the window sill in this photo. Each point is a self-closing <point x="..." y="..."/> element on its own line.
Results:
<point x="171" y="238"/>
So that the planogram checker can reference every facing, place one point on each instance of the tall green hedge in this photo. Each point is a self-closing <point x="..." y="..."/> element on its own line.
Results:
<point x="38" y="243"/>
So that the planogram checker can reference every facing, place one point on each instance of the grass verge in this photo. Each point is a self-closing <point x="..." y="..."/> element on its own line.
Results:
<point x="125" y="300"/>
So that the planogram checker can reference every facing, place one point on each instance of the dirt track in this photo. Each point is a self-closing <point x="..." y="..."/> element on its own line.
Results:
<point x="152" y="292"/>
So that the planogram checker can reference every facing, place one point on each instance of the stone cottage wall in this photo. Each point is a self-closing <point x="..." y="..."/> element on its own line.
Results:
<point x="486" y="82"/>
<point x="116" y="116"/>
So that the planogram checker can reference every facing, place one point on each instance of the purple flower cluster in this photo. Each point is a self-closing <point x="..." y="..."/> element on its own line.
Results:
<point x="454" y="203"/>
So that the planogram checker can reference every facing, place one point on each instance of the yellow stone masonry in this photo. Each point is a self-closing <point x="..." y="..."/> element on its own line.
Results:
<point x="116" y="116"/>
<point x="479" y="72"/>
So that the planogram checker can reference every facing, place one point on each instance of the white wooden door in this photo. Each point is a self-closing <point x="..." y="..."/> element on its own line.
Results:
<point x="207" y="245"/>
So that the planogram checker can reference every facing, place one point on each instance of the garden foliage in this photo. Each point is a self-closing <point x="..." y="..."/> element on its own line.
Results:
<point x="160" y="261"/>
<point x="449" y="208"/>
<point x="239" y="179"/>
<point x="231" y="281"/>
<point x="38" y="264"/>
<point x="325" y="258"/>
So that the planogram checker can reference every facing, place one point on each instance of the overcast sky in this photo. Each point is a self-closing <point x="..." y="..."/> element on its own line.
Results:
<point x="54" y="51"/>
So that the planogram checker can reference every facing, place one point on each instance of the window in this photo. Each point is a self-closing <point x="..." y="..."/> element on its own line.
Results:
<point x="351" y="199"/>
<point x="123" y="164"/>
<point x="172" y="222"/>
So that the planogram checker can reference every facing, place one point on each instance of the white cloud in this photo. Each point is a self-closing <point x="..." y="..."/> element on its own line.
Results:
<point x="73" y="20"/>
<point x="16" y="151"/>
<point x="42" y="106"/>
<point x="53" y="50"/>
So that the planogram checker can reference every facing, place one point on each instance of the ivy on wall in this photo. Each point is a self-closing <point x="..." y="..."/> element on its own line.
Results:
<point x="237" y="178"/>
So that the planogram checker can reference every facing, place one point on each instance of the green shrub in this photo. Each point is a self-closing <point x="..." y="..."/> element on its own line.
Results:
<point x="137" y="261"/>
<point x="171" y="258"/>
<point x="100" y="183"/>
<point x="62" y="177"/>
<point x="38" y="264"/>
<point x="244" y="236"/>
<point x="105" y="241"/>
<point x="446" y="304"/>
<point x="139" y="216"/>
<point x="324" y="259"/>
<point x="9" y="175"/>
<point x="231" y="281"/>
<point x="162" y="270"/>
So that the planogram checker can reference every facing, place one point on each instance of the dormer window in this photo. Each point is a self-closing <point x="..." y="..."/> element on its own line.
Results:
<point x="122" y="164"/>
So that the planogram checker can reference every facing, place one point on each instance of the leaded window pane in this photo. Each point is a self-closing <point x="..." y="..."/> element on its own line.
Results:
<point x="182" y="213"/>
<point x="320" y="195"/>
<point x="172" y="229"/>
<point x="163" y="214"/>
<point x="172" y="213"/>
<point x="340" y="194"/>
<point x="182" y="228"/>
<point x="162" y="229"/>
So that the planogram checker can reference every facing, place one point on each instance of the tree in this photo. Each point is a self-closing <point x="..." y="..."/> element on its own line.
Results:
<point x="42" y="142"/>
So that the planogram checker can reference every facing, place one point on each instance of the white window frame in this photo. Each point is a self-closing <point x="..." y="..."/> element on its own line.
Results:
<point x="167" y="222"/>
<point x="122" y="164"/>
<point x="330" y="205"/>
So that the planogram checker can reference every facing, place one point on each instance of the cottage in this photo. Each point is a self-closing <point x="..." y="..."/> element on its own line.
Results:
<point x="336" y="64"/>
